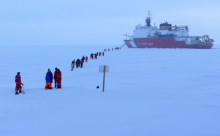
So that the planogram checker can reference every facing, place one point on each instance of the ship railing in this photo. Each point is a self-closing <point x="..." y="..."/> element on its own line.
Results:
<point x="199" y="43"/>
<point x="189" y="36"/>
<point x="130" y="39"/>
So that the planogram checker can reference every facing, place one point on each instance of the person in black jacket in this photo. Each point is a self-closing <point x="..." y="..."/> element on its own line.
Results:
<point x="72" y="65"/>
<point x="77" y="63"/>
<point x="83" y="58"/>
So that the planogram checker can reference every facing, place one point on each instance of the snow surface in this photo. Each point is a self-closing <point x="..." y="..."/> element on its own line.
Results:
<point x="148" y="92"/>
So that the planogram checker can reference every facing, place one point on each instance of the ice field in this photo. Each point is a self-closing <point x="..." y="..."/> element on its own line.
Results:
<point x="148" y="92"/>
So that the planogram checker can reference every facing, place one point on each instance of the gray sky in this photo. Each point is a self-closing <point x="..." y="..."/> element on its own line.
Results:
<point x="96" y="22"/>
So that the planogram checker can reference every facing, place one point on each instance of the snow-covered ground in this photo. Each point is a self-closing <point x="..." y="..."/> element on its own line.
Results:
<point x="148" y="92"/>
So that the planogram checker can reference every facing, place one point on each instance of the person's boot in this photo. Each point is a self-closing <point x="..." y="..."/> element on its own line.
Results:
<point x="16" y="93"/>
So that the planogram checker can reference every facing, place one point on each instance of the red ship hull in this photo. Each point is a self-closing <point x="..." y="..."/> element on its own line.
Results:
<point x="162" y="42"/>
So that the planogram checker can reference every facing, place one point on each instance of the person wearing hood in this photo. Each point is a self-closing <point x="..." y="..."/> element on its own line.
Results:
<point x="48" y="80"/>
<point x="59" y="77"/>
<point x="18" y="83"/>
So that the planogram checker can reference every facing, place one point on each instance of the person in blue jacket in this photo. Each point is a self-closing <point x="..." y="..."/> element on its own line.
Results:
<point x="48" y="79"/>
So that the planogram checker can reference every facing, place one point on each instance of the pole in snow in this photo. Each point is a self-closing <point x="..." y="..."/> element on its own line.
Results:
<point x="103" y="69"/>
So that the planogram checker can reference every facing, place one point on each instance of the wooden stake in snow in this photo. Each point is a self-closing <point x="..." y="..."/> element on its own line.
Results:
<point x="103" y="69"/>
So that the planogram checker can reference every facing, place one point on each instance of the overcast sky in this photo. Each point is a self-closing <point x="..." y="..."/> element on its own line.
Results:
<point x="99" y="22"/>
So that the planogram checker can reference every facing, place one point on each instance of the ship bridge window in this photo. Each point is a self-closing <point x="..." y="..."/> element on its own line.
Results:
<point x="159" y="39"/>
<point x="167" y="39"/>
<point x="135" y="39"/>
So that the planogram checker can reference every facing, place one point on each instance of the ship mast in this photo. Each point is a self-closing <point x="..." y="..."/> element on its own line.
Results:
<point x="148" y="19"/>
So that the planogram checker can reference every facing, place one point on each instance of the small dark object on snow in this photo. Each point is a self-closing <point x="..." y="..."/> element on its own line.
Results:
<point x="97" y="87"/>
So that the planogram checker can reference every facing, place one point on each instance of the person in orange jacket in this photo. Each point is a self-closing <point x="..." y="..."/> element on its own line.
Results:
<point x="51" y="80"/>
<point x="48" y="80"/>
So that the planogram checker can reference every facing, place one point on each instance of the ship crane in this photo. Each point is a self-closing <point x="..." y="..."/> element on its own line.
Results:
<point x="207" y="40"/>
<point x="127" y="36"/>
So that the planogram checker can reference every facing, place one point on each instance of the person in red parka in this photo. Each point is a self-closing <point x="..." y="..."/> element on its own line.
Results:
<point x="55" y="77"/>
<point x="86" y="59"/>
<point x="91" y="56"/>
<point x="59" y="78"/>
<point x="18" y="83"/>
<point x="100" y="53"/>
<point x="81" y="63"/>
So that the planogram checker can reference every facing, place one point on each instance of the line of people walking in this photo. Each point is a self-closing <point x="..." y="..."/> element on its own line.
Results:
<point x="78" y="62"/>
<point x="95" y="55"/>
<point x="57" y="77"/>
